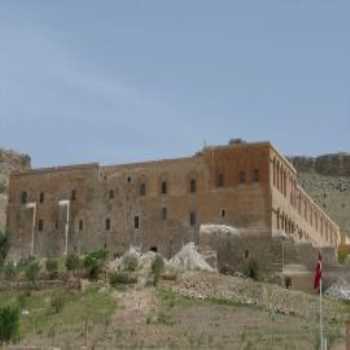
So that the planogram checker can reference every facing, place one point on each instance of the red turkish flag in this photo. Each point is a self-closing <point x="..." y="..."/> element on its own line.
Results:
<point x="318" y="272"/>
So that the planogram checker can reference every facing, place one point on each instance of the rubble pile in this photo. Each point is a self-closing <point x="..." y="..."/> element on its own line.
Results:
<point x="339" y="290"/>
<point x="188" y="259"/>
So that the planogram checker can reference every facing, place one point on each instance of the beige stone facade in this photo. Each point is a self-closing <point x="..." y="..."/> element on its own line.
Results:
<point x="250" y="186"/>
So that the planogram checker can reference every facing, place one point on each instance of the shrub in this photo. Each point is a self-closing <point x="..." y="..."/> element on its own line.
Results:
<point x="122" y="278"/>
<point x="342" y="255"/>
<point x="52" y="268"/>
<point x="73" y="262"/>
<point x="9" y="323"/>
<point x="157" y="268"/>
<point x="4" y="246"/>
<point x="10" y="271"/>
<point x="57" y="303"/>
<point x="94" y="261"/>
<point x="22" y="300"/>
<point x="32" y="271"/>
<point x="131" y="262"/>
<point x="251" y="269"/>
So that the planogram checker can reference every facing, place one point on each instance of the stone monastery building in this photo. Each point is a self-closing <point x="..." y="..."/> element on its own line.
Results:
<point x="161" y="204"/>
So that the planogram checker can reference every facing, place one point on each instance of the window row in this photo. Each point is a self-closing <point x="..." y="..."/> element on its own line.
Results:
<point x="24" y="197"/>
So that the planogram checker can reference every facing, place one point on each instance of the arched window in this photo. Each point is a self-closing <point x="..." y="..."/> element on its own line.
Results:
<point x="164" y="187"/>
<point x="42" y="197"/>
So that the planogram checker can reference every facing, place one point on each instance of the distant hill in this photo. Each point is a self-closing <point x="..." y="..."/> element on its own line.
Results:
<point x="327" y="179"/>
<point x="9" y="161"/>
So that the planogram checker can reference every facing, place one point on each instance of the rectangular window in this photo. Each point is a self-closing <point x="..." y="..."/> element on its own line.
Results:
<point x="81" y="225"/>
<point x="142" y="189"/>
<point x="164" y="187"/>
<point x="223" y="213"/>
<point x="242" y="177"/>
<point x="256" y="175"/>
<point x="136" y="222"/>
<point x="108" y="224"/>
<point x="164" y="214"/>
<point x="73" y="195"/>
<point x="193" y="219"/>
<point x="193" y="186"/>
<point x="24" y="197"/>
<point x="111" y="194"/>
<point x="220" y="180"/>
<point x="42" y="197"/>
<point x="41" y="225"/>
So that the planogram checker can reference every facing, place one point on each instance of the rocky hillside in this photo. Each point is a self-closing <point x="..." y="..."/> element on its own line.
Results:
<point x="327" y="180"/>
<point x="9" y="161"/>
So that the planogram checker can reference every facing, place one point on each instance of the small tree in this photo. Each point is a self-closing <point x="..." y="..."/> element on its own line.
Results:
<point x="157" y="268"/>
<point x="32" y="272"/>
<point x="4" y="246"/>
<point x="52" y="268"/>
<point x="10" y="271"/>
<point x="94" y="261"/>
<point x="73" y="262"/>
<point x="9" y="324"/>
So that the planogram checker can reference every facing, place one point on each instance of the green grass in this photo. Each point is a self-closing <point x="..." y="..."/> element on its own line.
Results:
<point x="91" y="305"/>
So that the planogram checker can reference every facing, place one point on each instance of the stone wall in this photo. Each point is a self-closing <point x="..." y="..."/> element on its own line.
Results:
<point x="9" y="161"/>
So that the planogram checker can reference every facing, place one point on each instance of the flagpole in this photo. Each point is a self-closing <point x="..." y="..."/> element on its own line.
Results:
<point x="321" y="318"/>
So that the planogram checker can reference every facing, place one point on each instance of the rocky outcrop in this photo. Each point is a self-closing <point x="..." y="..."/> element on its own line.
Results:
<point x="329" y="164"/>
<point x="327" y="179"/>
<point x="9" y="161"/>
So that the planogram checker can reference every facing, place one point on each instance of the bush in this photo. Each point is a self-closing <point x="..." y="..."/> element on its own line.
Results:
<point x="73" y="262"/>
<point x="121" y="278"/>
<point x="52" y="268"/>
<point x="57" y="303"/>
<point x="157" y="268"/>
<point x="32" y="271"/>
<point x="94" y="261"/>
<point x="131" y="262"/>
<point x="251" y="269"/>
<point x="9" y="324"/>
<point x="4" y="246"/>
<point x="342" y="255"/>
<point x="10" y="271"/>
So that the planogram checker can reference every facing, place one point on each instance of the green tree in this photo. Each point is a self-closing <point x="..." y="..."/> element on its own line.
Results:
<point x="4" y="246"/>
<point x="9" y="324"/>
<point x="73" y="262"/>
<point x="94" y="262"/>
<point x="32" y="272"/>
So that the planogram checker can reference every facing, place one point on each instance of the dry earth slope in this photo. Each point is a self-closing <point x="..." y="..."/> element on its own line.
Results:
<point x="9" y="161"/>
<point x="327" y="179"/>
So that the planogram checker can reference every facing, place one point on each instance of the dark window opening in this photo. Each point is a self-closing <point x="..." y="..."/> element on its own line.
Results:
<point x="108" y="224"/>
<point x="24" y="197"/>
<point x="164" y="213"/>
<point x="81" y="225"/>
<point x="220" y="180"/>
<point x="242" y="177"/>
<point x="74" y="195"/>
<point x="223" y="213"/>
<point x="129" y="179"/>
<point x="246" y="254"/>
<point x="143" y="190"/>
<point x="56" y="224"/>
<point x="164" y="187"/>
<point x="42" y="197"/>
<point x="256" y="175"/>
<point x="193" y="219"/>
<point x="41" y="225"/>
<point x="193" y="186"/>
<point x="154" y="249"/>
<point x="136" y="222"/>
<point x="111" y="194"/>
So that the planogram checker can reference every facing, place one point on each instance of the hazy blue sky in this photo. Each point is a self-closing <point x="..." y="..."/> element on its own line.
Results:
<point x="117" y="81"/>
